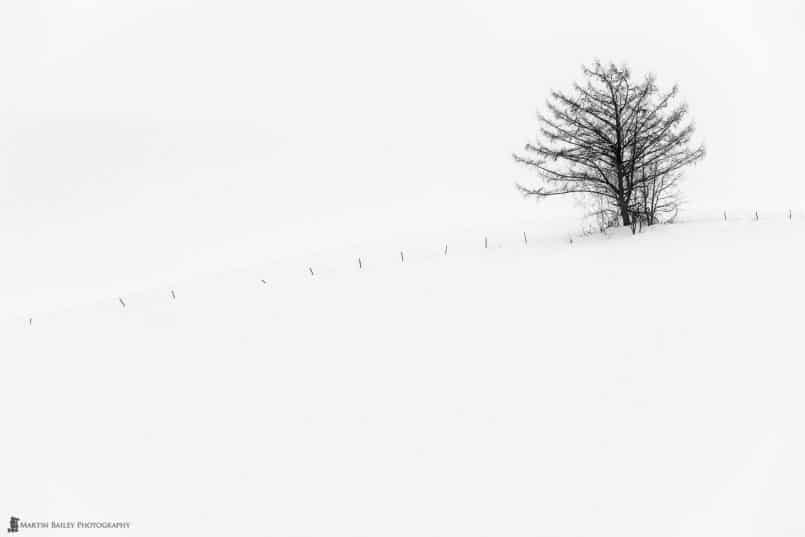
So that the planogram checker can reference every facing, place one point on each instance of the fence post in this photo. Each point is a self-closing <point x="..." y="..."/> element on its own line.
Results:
<point x="525" y="238"/>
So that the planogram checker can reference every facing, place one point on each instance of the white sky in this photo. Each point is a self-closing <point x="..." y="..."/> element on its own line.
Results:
<point x="138" y="139"/>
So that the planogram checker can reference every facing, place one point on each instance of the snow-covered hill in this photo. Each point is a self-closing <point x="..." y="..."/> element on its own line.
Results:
<point x="620" y="385"/>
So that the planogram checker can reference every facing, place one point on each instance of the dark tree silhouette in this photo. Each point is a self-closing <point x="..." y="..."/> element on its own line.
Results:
<point x="657" y="198"/>
<point x="612" y="138"/>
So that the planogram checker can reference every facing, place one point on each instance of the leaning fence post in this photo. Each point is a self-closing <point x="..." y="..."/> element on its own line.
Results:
<point x="525" y="238"/>
<point x="311" y="271"/>
<point x="360" y="265"/>
<point x="445" y="249"/>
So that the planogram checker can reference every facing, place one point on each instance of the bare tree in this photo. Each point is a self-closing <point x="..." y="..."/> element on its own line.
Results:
<point x="609" y="138"/>
<point x="658" y="198"/>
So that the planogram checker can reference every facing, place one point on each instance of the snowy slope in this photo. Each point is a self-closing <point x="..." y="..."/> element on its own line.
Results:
<point x="620" y="385"/>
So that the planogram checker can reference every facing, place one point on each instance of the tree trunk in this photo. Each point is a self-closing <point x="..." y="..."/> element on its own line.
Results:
<point x="625" y="214"/>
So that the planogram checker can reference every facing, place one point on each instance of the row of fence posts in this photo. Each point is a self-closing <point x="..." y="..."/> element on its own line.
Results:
<point x="123" y="304"/>
<point x="756" y="216"/>
<point x="486" y="245"/>
<point x="313" y="273"/>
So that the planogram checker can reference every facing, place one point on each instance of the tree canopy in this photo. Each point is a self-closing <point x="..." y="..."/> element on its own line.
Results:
<point x="621" y="140"/>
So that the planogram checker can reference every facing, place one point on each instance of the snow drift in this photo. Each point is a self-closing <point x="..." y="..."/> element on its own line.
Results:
<point x="619" y="385"/>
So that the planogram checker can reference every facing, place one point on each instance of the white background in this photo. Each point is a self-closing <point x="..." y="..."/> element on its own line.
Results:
<point x="142" y="141"/>
<point x="625" y="385"/>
